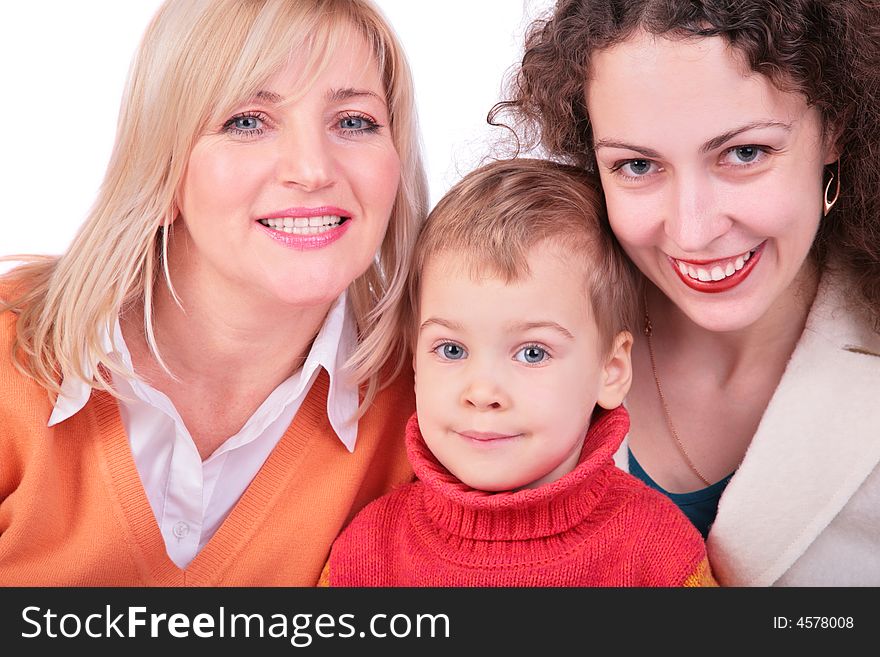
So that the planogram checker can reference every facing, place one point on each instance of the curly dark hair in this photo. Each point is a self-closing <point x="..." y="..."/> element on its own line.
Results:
<point x="827" y="50"/>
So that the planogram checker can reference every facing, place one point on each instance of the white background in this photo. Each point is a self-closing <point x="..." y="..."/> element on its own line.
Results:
<point x="64" y="66"/>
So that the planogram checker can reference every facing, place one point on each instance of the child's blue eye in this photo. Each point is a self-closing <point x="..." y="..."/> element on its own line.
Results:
<point x="532" y="354"/>
<point x="450" y="351"/>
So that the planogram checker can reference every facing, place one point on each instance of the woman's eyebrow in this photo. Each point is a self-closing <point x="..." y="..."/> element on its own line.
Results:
<point x="333" y="96"/>
<point x="268" y="97"/>
<point x="613" y="143"/>
<point x="710" y="145"/>
<point x="337" y="95"/>
<point x="715" y="142"/>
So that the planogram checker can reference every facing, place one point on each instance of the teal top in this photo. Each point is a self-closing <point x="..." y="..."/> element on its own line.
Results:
<point x="700" y="506"/>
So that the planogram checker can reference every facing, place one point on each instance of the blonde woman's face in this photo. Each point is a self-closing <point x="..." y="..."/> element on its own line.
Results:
<point x="290" y="197"/>
<point x="712" y="175"/>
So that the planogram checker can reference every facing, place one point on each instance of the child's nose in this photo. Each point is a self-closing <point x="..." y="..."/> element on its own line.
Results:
<point x="484" y="392"/>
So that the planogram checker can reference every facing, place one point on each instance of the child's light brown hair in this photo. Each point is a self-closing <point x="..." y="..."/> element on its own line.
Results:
<point x="496" y="214"/>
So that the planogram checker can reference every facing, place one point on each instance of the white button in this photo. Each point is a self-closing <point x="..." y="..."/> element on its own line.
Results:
<point x="181" y="529"/>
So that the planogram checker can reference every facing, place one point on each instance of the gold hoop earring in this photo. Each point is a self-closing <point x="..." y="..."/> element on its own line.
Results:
<point x="830" y="204"/>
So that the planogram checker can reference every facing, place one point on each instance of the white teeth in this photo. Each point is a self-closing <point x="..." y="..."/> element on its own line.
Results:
<point x="303" y="225"/>
<point x="717" y="272"/>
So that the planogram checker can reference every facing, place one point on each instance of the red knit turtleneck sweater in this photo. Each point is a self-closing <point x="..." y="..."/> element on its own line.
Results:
<point x="595" y="526"/>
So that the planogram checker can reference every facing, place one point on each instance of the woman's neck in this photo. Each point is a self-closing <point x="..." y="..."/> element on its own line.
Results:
<point x="222" y="337"/>
<point x="708" y="376"/>
<point x="226" y="353"/>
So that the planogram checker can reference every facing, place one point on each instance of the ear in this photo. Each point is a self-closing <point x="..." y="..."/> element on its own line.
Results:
<point x="176" y="204"/>
<point x="832" y="144"/>
<point x="172" y="216"/>
<point x="617" y="372"/>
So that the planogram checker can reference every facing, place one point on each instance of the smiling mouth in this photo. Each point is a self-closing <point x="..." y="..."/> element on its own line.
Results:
<point x="304" y="225"/>
<point x="716" y="270"/>
<point x="717" y="275"/>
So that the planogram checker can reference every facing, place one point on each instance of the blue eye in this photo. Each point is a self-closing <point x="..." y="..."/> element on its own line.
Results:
<point x="638" y="167"/>
<point x="357" y="124"/>
<point x="352" y="123"/>
<point x="746" y="153"/>
<point x="245" y="125"/>
<point x="532" y="354"/>
<point x="450" y="351"/>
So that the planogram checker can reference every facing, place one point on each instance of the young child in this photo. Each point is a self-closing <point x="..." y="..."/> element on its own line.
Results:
<point x="519" y="304"/>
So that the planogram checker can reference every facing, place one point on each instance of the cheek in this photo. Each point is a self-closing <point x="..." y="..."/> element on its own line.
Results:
<point x="632" y="228"/>
<point x="568" y="397"/>
<point x="377" y="176"/>
<point x="792" y="216"/>
<point x="431" y="389"/>
<point x="217" y="182"/>
<point x="434" y="406"/>
<point x="634" y="220"/>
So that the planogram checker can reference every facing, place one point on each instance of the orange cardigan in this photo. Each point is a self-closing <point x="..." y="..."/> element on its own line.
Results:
<point x="73" y="511"/>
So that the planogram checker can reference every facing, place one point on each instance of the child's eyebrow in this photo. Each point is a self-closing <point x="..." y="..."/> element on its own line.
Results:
<point x="525" y="326"/>
<point x="439" y="321"/>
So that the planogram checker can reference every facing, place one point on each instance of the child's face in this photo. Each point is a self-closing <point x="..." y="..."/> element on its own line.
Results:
<point x="508" y="375"/>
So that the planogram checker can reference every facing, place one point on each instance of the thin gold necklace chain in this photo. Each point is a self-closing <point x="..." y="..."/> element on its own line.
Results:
<point x="649" y="330"/>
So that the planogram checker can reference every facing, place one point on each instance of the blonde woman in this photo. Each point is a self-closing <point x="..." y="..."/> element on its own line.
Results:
<point x="204" y="389"/>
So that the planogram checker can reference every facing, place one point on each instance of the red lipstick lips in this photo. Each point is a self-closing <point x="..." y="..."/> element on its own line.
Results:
<point x="724" y="284"/>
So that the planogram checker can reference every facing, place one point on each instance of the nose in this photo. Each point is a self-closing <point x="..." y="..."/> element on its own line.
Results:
<point x="483" y="389"/>
<point x="695" y="217"/>
<point x="304" y="158"/>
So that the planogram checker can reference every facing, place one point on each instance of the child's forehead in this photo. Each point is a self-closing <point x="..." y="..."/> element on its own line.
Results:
<point x="455" y="285"/>
<point x="508" y="268"/>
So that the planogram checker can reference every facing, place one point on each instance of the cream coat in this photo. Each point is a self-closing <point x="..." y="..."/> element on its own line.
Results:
<point x="803" y="509"/>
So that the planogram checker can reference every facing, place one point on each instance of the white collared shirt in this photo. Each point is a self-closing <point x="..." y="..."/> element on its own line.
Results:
<point x="190" y="497"/>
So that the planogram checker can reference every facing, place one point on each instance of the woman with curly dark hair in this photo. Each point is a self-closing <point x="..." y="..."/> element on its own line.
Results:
<point x="737" y="144"/>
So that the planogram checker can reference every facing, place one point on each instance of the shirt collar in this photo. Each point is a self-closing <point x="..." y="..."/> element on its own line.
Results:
<point x="331" y="349"/>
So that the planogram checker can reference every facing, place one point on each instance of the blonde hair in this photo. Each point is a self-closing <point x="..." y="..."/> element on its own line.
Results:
<point x="198" y="60"/>
<point x="497" y="213"/>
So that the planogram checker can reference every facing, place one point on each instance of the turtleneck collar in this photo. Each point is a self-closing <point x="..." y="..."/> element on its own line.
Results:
<point x="528" y="513"/>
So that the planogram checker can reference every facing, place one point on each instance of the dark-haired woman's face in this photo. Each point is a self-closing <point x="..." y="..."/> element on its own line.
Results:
<point x="712" y="175"/>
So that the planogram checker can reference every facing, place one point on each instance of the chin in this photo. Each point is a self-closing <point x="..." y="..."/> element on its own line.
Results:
<point x="307" y="294"/>
<point x="726" y="317"/>
<point x="491" y="487"/>
<point x="488" y="485"/>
